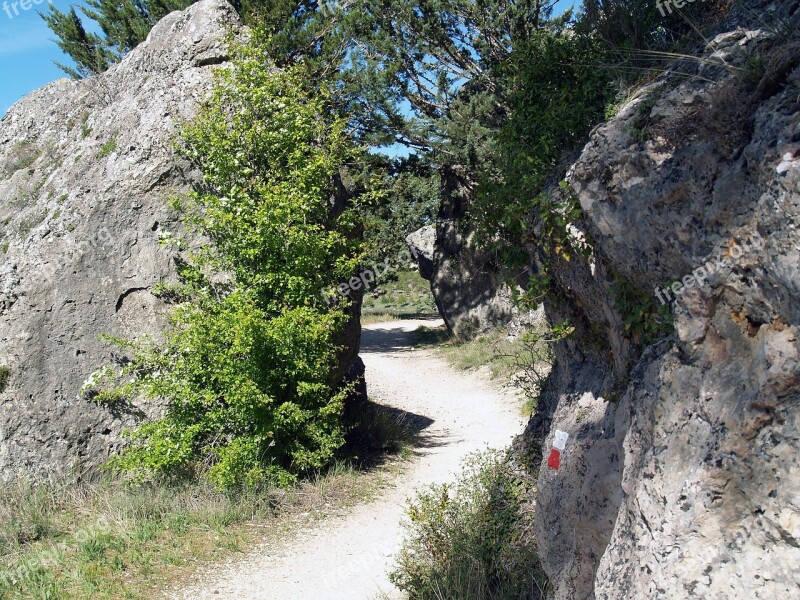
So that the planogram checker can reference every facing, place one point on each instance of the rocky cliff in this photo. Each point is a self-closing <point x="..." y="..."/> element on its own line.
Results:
<point x="680" y="477"/>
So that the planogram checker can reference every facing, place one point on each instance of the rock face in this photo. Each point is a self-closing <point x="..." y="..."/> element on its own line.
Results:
<point x="422" y="244"/>
<point x="88" y="168"/>
<point x="465" y="282"/>
<point x="681" y="476"/>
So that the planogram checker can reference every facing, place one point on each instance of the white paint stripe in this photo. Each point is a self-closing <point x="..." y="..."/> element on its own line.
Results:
<point x="560" y="440"/>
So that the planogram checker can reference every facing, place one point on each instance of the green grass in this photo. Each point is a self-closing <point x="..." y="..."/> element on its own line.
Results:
<point x="109" y="147"/>
<point x="5" y="372"/>
<point x="86" y="131"/>
<point x="408" y="296"/>
<point x="113" y="539"/>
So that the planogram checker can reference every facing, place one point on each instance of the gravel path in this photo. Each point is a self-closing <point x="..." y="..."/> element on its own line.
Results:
<point x="349" y="556"/>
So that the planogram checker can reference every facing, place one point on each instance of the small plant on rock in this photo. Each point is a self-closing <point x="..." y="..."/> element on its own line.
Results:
<point x="5" y="376"/>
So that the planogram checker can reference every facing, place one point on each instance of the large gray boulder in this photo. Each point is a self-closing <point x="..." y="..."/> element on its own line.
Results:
<point x="465" y="281"/>
<point x="422" y="244"/>
<point x="88" y="169"/>
<point x="681" y="476"/>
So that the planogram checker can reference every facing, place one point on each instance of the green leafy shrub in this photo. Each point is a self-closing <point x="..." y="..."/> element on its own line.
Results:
<point x="109" y="147"/>
<point x="472" y="539"/>
<point x="644" y="319"/>
<point x="249" y="365"/>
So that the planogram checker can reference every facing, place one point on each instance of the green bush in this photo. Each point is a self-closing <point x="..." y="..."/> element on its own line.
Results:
<point x="249" y="366"/>
<point x="557" y="91"/>
<point x="644" y="319"/>
<point x="472" y="539"/>
<point x="109" y="147"/>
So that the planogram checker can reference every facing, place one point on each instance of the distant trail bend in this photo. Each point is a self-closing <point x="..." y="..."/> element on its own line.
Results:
<point x="349" y="557"/>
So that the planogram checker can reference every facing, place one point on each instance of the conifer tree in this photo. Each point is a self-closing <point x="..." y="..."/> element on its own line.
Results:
<point x="87" y="49"/>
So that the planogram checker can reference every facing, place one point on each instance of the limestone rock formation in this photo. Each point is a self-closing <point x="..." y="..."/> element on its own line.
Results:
<point x="422" y="244"/>
<point x="88" y="169"/>
<point x="681" y="476"/>
<point x="465" y="281"/>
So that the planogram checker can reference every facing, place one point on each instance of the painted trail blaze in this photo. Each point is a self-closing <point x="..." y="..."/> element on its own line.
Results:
<point x="559" y="443"/>
<point x="554" y="461"/>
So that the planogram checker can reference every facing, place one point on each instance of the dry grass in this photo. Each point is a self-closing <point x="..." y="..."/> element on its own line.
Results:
<point x="372" y="318"/>
<point x="726" y="117"/>
<point x="111" y="539"/>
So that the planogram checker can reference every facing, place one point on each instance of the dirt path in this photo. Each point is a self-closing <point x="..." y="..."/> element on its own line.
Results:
<point x="349" y="557"/>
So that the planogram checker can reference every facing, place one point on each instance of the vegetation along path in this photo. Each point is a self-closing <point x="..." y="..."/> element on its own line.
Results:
<point x="350" y="556"/>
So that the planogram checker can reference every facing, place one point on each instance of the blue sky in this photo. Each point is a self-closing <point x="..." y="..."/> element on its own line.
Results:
<point x="27" y="52"/>
<point x="27" y="49"/>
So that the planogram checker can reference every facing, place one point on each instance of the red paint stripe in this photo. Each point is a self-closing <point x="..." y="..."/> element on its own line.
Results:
<point x="555" y="459"/>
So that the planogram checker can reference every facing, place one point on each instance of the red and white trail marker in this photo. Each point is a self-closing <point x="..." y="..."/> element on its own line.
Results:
<point x="559" y="443"/>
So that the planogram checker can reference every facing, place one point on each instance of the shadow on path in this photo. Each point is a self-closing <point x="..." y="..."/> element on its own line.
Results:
<point x="399" y="338"/>
<point x="394" y="337"/>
